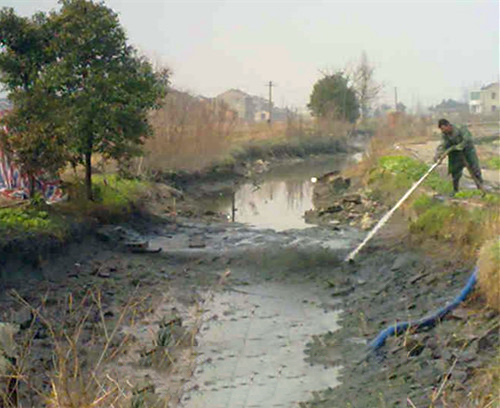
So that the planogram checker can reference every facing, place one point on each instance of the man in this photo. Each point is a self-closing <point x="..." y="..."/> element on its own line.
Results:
<point x="462" y="153"/>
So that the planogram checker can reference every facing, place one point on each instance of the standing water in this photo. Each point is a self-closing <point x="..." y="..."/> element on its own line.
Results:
<point x="251" y="344"/>
<point x="281" y="198"/>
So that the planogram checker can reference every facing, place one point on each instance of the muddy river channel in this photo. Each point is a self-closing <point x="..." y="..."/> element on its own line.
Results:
<point x="250" y="350"/>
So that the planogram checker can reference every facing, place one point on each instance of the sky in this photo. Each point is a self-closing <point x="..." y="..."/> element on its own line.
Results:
<point x="428" y="50"/>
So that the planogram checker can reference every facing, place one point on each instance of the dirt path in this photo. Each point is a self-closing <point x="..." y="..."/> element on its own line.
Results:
<point x="425" y="152"/>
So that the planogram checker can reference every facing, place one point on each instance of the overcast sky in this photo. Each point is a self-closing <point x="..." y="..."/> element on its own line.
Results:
<point x="429" y="50"/>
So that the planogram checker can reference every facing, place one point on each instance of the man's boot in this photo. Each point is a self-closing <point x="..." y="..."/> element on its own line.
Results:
<point x="478" y="179"/>
<point x="456" y="183"/>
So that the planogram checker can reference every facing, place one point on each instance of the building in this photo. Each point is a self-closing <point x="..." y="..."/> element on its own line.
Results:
<point x="486" y="100"/>
<point x="251" y="108"/>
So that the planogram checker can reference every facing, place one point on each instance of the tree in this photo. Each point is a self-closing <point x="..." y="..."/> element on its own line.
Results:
<point x="23" y="49"/>
<point x="107" y="88"/>
<point x="333" y="95"/>
<point x="72" y="73"/>
<point x="366" y="88"/>
<point x="33" y="136"/>
<point x="401" y="107"/>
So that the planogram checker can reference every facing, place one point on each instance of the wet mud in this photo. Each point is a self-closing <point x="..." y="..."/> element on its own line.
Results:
<point x="235" y="315"/>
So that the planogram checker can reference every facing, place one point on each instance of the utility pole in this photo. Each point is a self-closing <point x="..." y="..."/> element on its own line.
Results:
<point x="396" y="98"/>
<point x="270" y="101"/>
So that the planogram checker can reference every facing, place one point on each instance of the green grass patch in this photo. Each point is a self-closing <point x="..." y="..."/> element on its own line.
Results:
<point x="408" y="170"/>
<point x="493" y="163"/>
<point x="114" y="197"/>
<point x="30" y="220"/>
<point x="454" y="223"/>
<point x="115" y="192"/>
<point x="422" y="203"/>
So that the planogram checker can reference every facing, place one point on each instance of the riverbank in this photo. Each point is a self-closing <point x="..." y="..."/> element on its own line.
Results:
<point x="136" y="324"/>
<point x="416" y="265"/>
<point x="68" y="289"/>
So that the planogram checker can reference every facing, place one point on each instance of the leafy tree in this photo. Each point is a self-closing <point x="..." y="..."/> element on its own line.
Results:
<point x="72" y="73"/>
<point x="106" y="86"/>
<point x="333" y="95"/>
<point x="33" y="136"/>
<point x="23" y="49"/>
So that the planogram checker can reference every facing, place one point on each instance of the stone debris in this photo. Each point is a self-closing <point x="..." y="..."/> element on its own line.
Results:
<point x="126" y="237"/>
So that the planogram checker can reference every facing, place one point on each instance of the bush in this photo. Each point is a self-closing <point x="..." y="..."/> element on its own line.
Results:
<point x="29" y="220"/>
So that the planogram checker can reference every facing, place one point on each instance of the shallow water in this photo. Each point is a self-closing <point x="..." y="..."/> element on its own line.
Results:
<point x="251" y="348"/>
<point x="280" y="199"/>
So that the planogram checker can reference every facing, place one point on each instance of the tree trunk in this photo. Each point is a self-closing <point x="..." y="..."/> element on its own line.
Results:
<point x="88" y="174"/>
<point x="31" y="191"/>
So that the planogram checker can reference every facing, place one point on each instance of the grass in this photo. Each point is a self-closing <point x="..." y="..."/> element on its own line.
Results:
<point x="489" y="272"/>
<point x="30" y="220"/>
<point x="393" y="175"/>
<point x="493" y="163"/>
<point x="114" y="197"/>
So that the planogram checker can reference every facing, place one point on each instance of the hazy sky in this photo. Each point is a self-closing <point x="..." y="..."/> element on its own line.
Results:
<point x="429" y="50"/>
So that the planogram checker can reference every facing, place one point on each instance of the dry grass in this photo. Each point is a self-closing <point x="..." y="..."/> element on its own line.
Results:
<point x="489" y="272"/>
<point x="486" y="390"/>
<point x="91" y="360"/>
<point x="188" y="133"/>
<point x="390" y="132"/>
<point x="81" y="342"/>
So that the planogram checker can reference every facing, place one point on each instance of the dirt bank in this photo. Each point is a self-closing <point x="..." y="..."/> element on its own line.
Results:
<point x="399" y="278"/>
<point x="134" y="320"/>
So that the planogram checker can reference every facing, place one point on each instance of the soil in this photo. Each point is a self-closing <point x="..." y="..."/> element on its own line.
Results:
<point x="166" y="304"/>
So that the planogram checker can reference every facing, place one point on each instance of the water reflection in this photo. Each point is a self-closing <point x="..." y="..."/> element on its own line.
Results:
<point x="280" y="199"/>
<point x="275" y="204"/>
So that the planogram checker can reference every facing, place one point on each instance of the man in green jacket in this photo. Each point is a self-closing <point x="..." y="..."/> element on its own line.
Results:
<point x="462" y="153"/>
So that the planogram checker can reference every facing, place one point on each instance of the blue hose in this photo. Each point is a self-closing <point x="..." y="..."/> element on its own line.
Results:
<point x="427" y="321"/>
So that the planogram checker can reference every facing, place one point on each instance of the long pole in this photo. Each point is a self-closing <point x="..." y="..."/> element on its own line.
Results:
<point x="388" y="215"/>
<point x="270" y="101"/>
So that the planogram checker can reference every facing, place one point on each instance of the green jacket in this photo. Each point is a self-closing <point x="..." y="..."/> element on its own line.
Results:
<point x="460" y="137"/>
<point x="465" y="152"/>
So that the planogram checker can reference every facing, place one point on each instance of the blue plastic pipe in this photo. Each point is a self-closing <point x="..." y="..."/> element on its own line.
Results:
<point x="427" y="321"/>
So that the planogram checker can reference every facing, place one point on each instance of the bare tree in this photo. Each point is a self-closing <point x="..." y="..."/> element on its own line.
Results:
<point x="367" y="90"/>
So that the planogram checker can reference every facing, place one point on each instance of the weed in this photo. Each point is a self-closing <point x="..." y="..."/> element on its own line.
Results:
<point x="30" y="220"/>
<point x="493" y="163"/>
<point x="489" y="272"/>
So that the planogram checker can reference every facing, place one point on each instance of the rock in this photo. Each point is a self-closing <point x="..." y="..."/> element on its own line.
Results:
<point x="260" y="166"/>
<point x="197" y="242"/>
<point x="103" y="274"/>
<point x="343" y="291"/>
<point x="352" y="198"/>
<point x="23" y="317"/>
<point x="339" y="184"/>
<point x="330" y="210"/>
<point x="400" y="262"/>
<point x="459" y="314"/>
<point x="366" y="222"/>
<point x="8" y="346"/>
<point x="489" y="340"/>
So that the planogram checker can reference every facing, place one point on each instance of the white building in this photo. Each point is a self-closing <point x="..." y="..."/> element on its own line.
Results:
<point x="486" y="100"/>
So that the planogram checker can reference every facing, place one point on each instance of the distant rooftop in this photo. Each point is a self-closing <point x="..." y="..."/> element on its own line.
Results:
<point x="493" y="84"/>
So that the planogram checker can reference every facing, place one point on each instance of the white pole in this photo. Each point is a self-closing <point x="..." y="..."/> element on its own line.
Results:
<point x="388" y="215"/>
